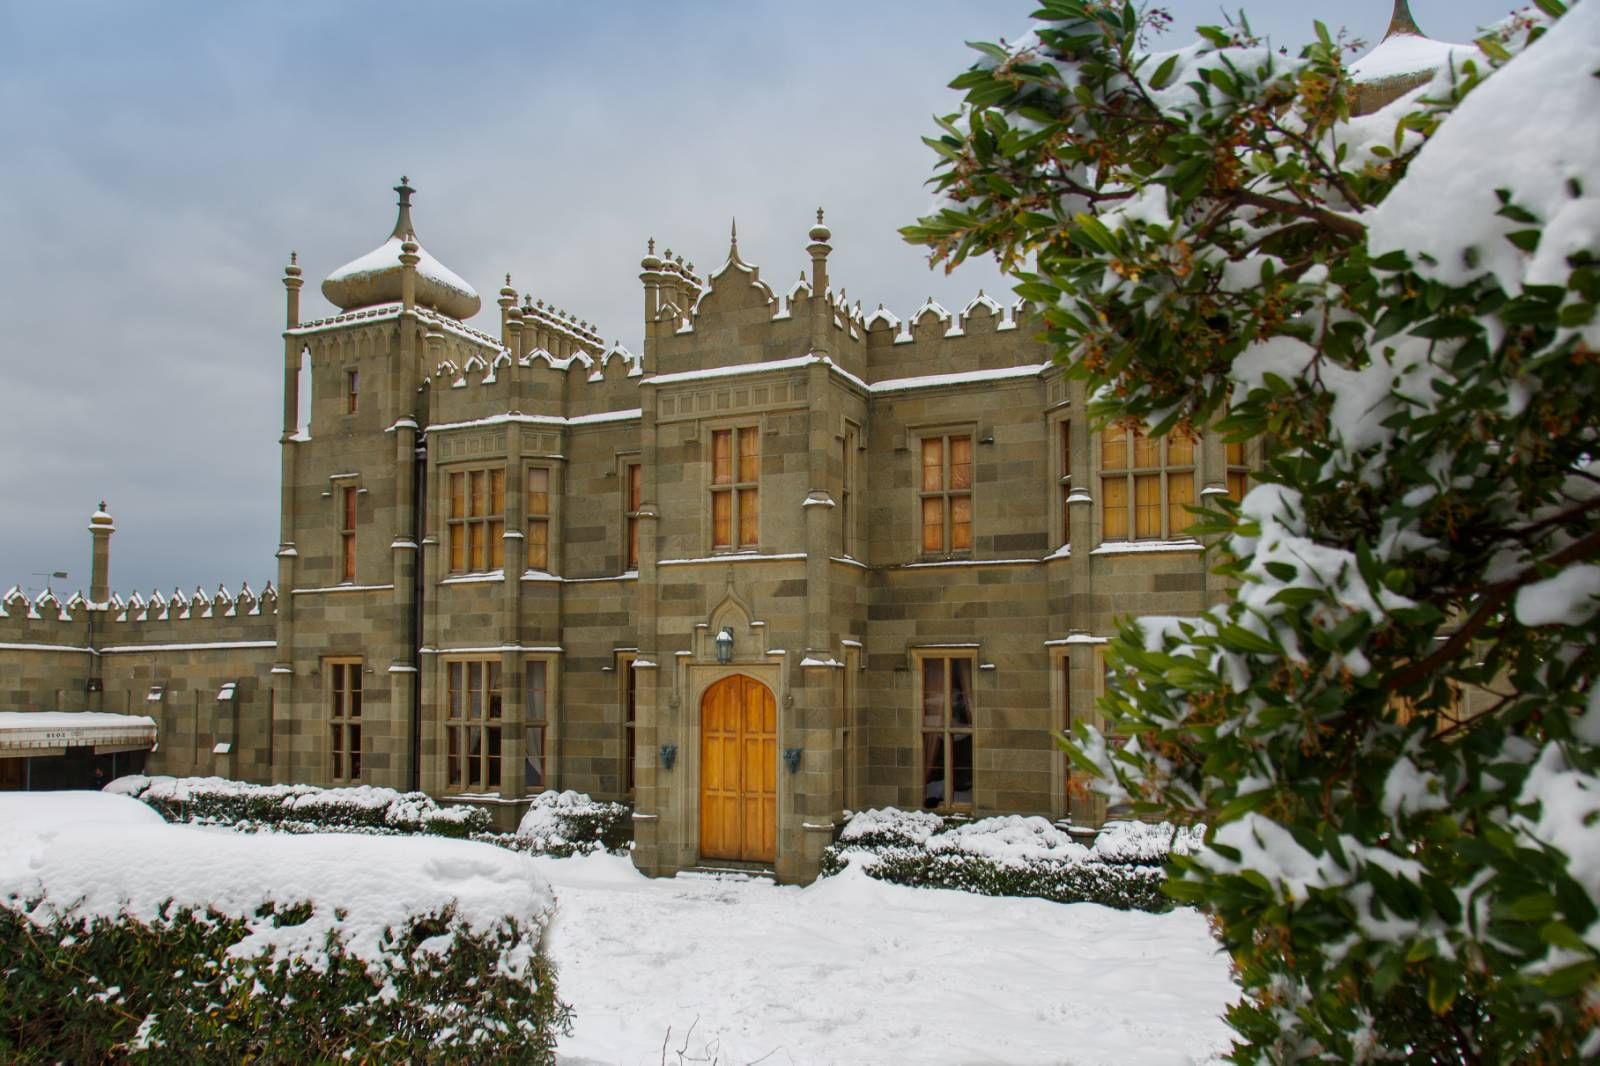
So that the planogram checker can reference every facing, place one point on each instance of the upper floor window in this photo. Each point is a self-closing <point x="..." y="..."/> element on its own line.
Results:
<point x="344" y="714"/>
<point x="1064" y="477"/>
<point x="945" y="494"/>
<point x="847" y="490"/>
<point x="352" y="390"/>
<point x="477" y="520"/>
<point x="473" y="721"/>
<point x="947" y="762"/>
<point x="735" y="491"/>
<point x="635" y="490"/>
<point x="1146" y="484"/>
<point x="538" y="518"/>
<point x="1238" y="472"/>
<point x="347" y="533"/>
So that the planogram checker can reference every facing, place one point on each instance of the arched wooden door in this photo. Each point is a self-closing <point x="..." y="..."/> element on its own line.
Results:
<point x="739" y="771"/>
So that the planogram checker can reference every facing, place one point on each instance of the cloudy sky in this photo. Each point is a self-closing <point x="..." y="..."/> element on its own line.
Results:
<point x="160" y="160"/>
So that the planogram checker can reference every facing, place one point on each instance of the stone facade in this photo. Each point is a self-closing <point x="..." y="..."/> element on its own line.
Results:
<point x="912" y="533"/>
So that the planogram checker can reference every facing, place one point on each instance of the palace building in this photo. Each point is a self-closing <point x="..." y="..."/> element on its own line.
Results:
<point x="791" y="560"/>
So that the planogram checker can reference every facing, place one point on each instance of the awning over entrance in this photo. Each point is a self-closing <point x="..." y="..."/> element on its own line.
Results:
<point x="36" y="733"/>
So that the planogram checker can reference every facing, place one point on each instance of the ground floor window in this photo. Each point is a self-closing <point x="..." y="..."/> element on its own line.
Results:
<point x="947" y="762"/>
<point x="474" y="719"/>
<point x="344" y="715"/>
<point x="628" y="694"/>
<point x="536" y="725"/>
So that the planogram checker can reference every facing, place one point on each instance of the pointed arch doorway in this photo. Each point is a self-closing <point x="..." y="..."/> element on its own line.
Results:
<point x="739" y="771"/>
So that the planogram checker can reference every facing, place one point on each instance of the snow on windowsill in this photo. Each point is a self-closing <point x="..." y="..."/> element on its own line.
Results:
<point x="489" y="577"/>
<point x="734" y="557"/>
<point x="1136" y="547"/>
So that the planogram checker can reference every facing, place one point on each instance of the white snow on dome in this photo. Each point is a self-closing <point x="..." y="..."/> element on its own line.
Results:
<point x="387" y="257"/>
<point x="1406" y="53"/>
<point x="1528" y="130"/>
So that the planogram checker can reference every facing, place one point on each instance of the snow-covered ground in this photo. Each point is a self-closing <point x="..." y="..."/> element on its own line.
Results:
<point x="852" y="970"/>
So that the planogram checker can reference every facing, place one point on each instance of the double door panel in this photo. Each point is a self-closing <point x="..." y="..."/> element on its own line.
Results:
<point x="739" y="771"/>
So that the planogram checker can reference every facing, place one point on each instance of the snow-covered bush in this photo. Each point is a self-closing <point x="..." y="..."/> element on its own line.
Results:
<point x="890" y="826"/>
<point x="123" y="938"/>
<point x="1145" y="843"/>
<point x="1391" y="727"/>
<point x="301" y="808"/>
<point x="1009" y="855"/>
<point x="570" y="823"/>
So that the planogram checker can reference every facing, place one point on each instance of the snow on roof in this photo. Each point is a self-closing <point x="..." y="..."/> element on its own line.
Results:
<point x="90" y="853"/>
<point x="927" y="381"/>
<point x="58" y="729"/>
<point x="1521" y="131"/>
<point x="386" y="257"/>
<point x="1401" y="54"/>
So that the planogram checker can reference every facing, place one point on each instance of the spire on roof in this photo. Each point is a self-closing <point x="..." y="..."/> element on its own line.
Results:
<point x="1402" y="22"/>
<point x="402" y="224"/>
<point x="733" y="240"/>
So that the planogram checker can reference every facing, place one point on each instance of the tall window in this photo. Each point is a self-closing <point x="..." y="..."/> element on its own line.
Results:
<point x="1238" y="473"/>
<point x="1064" y="480"/>
<point x="847" y="492"/>
<point x="1064" y="667"/>
<point x="536" y="723"/>
<point x="347" y="534"/>
<point x="473" y="723"/>
<point x="735" y="495"/>
<point x="850" y="736"/>
<point x="628" y="682"/>
<point x="538" y="518"/>
<point x="947" y="732"/>
<point x="635" y="491"/>
<point x="352" y="390"/>
<point x="344" y="713"/>
<point x="946" y="494"/>
<point x="1146" y="484"/>
<point x="477" y="520"/>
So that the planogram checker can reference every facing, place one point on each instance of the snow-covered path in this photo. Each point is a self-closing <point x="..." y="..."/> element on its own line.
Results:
<point x="851" y="970"/>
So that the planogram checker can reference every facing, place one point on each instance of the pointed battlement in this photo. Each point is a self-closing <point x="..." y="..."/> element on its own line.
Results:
<point x="199" y="617"/>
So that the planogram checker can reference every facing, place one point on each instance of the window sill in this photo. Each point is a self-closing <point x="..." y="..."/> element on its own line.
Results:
<point x="476" y="578"/>
<point x="1141" y="547"/>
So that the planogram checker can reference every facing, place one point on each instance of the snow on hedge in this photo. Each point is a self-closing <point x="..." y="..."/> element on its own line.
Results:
<point x="1020" y="839"/>
<point x="100" y="855"/>
<point x="222" y="801"/>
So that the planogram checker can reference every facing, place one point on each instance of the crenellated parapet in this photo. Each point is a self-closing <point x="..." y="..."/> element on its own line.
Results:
<point x="199" y="617"/>
<point x="540" y="383"/>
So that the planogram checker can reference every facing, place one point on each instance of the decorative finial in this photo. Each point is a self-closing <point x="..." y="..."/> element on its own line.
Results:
<point x="1402" y="22"/>
<point x="733" y="240"/>
<point x="102" y="505"/>
<point x="508" y="281"/>
<point x="294" y="258"/>
<point x="402" y="224"/>
<point x="820" y="233"/>
<point x="650" y="246"/>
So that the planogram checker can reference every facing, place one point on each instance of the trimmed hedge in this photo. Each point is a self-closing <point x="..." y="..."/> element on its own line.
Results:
<point x="99" y="990"/>
<point x="302" y="808"/>
<point x="1010" y="856"/>
<point x="562" y="824"/>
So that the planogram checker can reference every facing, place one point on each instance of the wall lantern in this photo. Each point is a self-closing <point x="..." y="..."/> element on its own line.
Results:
<point x="669" y="756"/>
<point x="791" y="759"/>
<point x="725" y="645"/>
